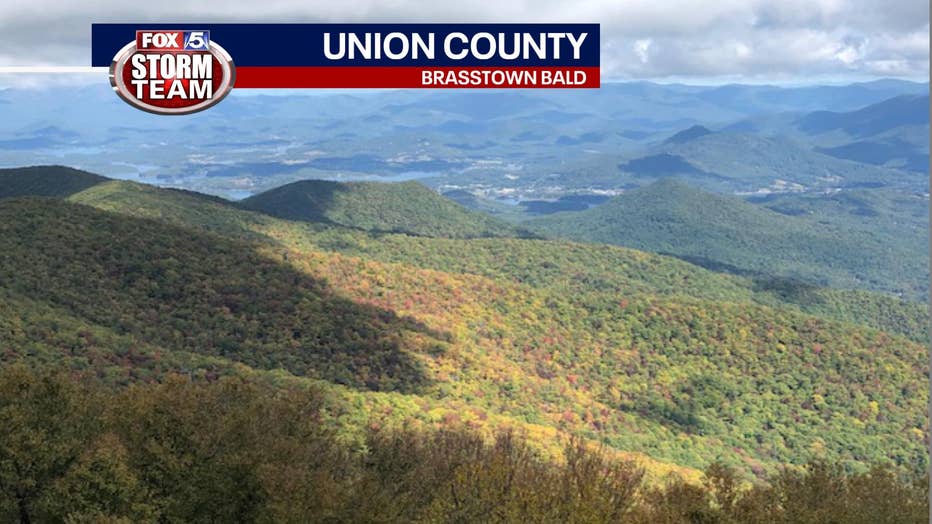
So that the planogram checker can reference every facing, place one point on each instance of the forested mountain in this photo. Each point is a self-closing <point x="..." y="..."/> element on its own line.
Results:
<point x="749" y="162"/>
<point x="726" y="233"/>
<point x="204" y="287"/>
<point x="374" y="206"/>
<point x="872" y="120"/>
<point x="562" y="266"/>
<point x="686" y="135"/>
<point x="49" y="181"/>
<point x="861" y="211"/>
<point x="892" y="132"/>
<point x="497" y="141"/>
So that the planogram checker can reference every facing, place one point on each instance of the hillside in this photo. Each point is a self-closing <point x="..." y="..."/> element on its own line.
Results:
<point x="686" y="135"/>
<point x="400" y="208"/>
<point x="906" y="110"/>
<point x="590" y="272"/>
<point x="749" y="162"/>
<point x="725" y="233"/>
<point x="49" y="181"/>
<point x="196" y="293"/>
<point x="686" y="381"/>
<point x="892" y="212"/>
<point x="663" y="165"/>
<point x="737" y="160"/>
<point x="892" y="132"/>
<point x="551" y="338"/>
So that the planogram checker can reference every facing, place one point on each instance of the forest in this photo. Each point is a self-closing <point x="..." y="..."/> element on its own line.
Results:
<point x="236" y="450"/>
<point x="169" y="356"/>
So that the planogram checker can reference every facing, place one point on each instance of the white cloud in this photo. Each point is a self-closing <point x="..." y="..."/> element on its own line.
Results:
<point x="642" y="48"/>
<point x="640" y="38"/>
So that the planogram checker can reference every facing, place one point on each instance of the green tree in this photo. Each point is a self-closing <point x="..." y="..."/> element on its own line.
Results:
<point x="47" y="423"/>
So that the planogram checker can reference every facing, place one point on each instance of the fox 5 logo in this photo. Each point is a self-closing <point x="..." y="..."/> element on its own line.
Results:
<point x="173" y="40"/>
<point x="196" y="40"/>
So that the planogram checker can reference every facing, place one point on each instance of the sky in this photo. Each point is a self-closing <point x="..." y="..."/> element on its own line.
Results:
<point x="693" y="41"/>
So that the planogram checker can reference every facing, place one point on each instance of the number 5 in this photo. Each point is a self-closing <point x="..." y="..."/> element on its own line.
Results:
<point x="196" y="40"/>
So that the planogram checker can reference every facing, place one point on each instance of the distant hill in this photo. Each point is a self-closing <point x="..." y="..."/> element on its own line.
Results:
<point x="894" y="212"/>
<point x="725" y="162"/>
<point x="577" y="202"/>
<point x="726" y="233"/>
<point x="663" y="165"/>
<point x="893" y="153"/>
<point x="688" y="134"/>
<point x="874" y="119"/>
<point x="47" y="181"/>
<point x="892" y="132"/>
<point x="773" y="99"/>
<point x="736" y="162"/>
<point x="750" y="162"/>
<point x="407" y="207"/>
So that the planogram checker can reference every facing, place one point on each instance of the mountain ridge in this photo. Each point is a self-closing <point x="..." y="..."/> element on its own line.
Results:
<point x="405" y="207"/>
<point x="407" y="328"/>
<point x="416" y="334"/>
<point x="726" y="233"/>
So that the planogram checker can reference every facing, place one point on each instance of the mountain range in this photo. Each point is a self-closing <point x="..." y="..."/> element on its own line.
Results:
<point x="527" y="145"/>
<point x="892" y="133"/>
<point x="664" y="361"/>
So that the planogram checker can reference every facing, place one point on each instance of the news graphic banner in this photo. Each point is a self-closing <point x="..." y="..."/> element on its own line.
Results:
<point x="183" y="68"/>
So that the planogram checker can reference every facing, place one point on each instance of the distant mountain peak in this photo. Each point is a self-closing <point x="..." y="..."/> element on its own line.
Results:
<point x="686" y="135"/>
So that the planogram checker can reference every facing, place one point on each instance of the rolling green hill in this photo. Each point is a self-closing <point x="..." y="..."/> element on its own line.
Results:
<point x="886" y="211"/>
<point x="589" y="271"/>
<point x="684" y="380"/>
<point x="407" y="207"/>
<point x="662" y="361"/>
<point x="196" y="293"/>
<point x="750" y="162"/>
<point x="892" y="133"/>
<point x="733" y="160"/>
<point x="726" y="233"/>
<point x="49" y="181"/>
<point x="900" y="111"/>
